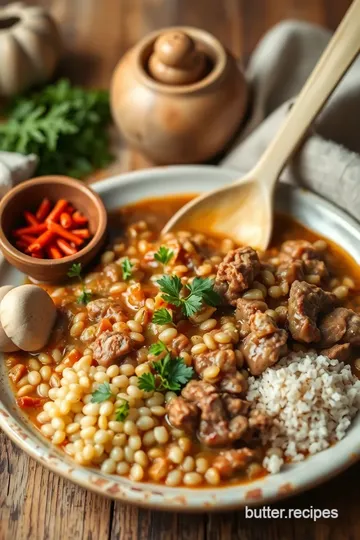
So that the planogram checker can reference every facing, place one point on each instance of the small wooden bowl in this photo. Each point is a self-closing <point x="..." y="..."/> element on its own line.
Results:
<point x="28" y="195"/>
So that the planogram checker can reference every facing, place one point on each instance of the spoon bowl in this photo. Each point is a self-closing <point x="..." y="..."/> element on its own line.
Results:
<point x="244" y="209"/>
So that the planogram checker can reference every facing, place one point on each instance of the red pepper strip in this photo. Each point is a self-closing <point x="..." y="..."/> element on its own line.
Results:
<point x="41" y="242"/>
<point x="53" y="252"/>
<point x="72" y="357"/>
<point x="38" y="255"/>
<point x="30" y="218"/>
<point x="60" y="231"/>
<point x="28" y="401"/>
<point x="65" y="220"/>
<point x="82" y="233"/>
<point x="17" y="372"/>
<point x="28" y="238"/>
<point x="33" y="229"/>
<point x="57" y="211"/>
<point x="79" y="218"/>
<point x="43" y="209"/>
<point x="65" y="247"/>
<point x="104" y="325"/>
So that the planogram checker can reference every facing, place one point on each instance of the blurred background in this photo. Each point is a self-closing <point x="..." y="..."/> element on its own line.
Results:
<point x="98" y="32"/>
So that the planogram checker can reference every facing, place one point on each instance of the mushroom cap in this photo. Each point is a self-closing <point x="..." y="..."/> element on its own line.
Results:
<point x="6" y="345"/>
<point x="27" y="315"/>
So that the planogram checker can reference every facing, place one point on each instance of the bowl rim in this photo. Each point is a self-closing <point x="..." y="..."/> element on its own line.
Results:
<point x="160" y="497"/>
<point x="88" y="192"/>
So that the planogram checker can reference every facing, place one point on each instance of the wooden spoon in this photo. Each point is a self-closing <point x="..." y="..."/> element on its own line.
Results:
<point x="243" y="210"/>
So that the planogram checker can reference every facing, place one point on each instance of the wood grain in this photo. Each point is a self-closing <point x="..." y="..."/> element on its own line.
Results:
<point x="38" y="505"/>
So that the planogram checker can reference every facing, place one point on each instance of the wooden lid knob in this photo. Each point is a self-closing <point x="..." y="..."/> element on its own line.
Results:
<point x="176" y="60"/>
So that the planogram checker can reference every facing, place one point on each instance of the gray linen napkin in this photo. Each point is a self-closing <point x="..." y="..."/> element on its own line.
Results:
<point x="328" y="162"/>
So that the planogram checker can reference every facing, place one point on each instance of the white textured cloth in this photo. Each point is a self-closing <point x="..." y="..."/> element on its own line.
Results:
<point x="15" y="168"/>
<point x="329" y="160"/>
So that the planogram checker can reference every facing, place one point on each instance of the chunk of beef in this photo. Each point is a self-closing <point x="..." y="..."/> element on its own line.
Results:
<point x="233" y="383"/>
<point x="235" y="405"/>
<point x="110" y="346"/>
<point x="316" y="267"/>
<point x="217" y="427"/>
<point x="290" y="271"/>
<point x="300" y="249"/>
<point x="103" y="307"/>
<point x="340" y="325"/>
<point x="306" y="303"/>
<point x="244" y="310"/>
<point x="183" y="414"/>
<point x="340" y="352"/>
<point x="225" y="360"/>
<point x="300" y="258"/>
<point x="236" y="273"/>
<point x="233" y="460"/>
<point x="265" y="344"/>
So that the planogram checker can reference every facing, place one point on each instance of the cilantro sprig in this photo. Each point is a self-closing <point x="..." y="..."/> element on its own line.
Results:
<point x="75" y="271"/>
<point x="170" y="373"/>
<point x="164" y="255"/>
<point x="201" y="292"/>
<point x="102" y="393"/>
<point x="162" y="316"/>
<point x="126" y="267"/>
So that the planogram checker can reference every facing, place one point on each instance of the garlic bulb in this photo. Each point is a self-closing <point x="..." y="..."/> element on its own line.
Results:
<point x="30" y="47"/>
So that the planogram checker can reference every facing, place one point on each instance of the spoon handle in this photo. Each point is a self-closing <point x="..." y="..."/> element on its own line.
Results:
<point x="334" y="62"/>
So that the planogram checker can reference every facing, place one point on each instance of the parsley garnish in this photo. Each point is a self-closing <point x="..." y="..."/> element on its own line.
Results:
<point x="122" y="410"/>
<point x="75" y="271"/>
<point x="170" y="374"/>
<point x="162" y="316"/>
<point x="66" y="126"/>
<point x="158" y="348"/>
<point x="126" y="268"/>
<point x="163" y="255"/>
<point x="102" y="393"/>
<point x="201" y="291"/>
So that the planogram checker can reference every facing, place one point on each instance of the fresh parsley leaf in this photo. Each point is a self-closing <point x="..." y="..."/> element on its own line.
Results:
<point x="176" y="374"/>
<point x="164" y="255"/>
<point x="201" y="291"/>
<point x="170" y="286"/>
<point x="204" y="287"/>
<point x="102" y="393"/>
<point x="162" y="316"/>
<point x="147" y="382"/>
<point x="158" y="348"/>
<point x="84" y="298"/>
<point x="126" y="267"/>
<point x="192" y="304"/>
<point x="122" y="410"/>
<point x="75" y="270"/>
<point x="66" y="126"/>
<point x="172" y="373"/>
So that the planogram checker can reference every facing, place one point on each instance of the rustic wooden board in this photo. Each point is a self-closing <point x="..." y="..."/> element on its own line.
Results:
<point x="38" y="505"/>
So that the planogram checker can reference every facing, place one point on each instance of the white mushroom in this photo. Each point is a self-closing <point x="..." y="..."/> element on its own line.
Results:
<point x="27" y="315"/>
<point x="6" y="345"/>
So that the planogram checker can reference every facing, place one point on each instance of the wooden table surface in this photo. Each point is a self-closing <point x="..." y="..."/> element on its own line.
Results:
<point x="36" y="504"/>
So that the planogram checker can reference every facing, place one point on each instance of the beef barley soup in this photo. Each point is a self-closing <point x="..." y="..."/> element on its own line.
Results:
<point x="165" y="363"/>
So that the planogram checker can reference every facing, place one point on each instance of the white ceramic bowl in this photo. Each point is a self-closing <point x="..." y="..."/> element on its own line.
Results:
<point x="117" y="191"/>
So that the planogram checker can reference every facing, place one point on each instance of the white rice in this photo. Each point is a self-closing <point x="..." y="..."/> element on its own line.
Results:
<point x="311" y="400"/>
